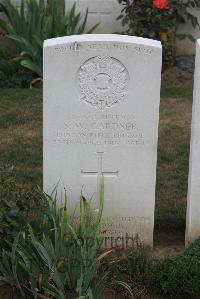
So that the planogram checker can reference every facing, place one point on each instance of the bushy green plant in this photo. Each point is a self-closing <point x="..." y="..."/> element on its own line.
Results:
<point x="36" y="21"/>
<point x="193" y="249"/>
<point x="17" y="206"/>
<point x="11" y="74"/>
<point x="65" y="261"/>
<point x="177" y="276"/>
<point x="158" y="19"/>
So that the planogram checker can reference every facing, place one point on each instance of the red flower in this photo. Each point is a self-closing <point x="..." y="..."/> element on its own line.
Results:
<point x="160" y="4"/>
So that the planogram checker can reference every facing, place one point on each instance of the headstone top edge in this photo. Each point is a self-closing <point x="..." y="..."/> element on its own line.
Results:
<point x="102" y="38"/>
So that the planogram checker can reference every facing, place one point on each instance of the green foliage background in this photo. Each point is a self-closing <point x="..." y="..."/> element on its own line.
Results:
<point x="141" y="18"/>
<point x="36" y="21"/>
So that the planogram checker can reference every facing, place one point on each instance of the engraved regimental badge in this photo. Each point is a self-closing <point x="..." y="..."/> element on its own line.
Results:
<point x="103" y="81"/>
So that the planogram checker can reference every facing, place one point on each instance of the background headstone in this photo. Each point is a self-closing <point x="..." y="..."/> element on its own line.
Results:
<point x="193" y="206"/>
<point x="101" y="113"/>
<point x="104" y="12"/>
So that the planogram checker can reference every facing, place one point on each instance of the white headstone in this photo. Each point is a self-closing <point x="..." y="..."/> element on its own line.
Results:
<point x="193" y="206"/>
<point x="101" y="113"/>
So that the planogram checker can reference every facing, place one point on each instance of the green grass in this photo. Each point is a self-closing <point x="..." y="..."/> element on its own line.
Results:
<point x="21" y="144"/>
<point x="177" y="91"/>
<point x="21" y="133"/>
<point x="173" y="155"/>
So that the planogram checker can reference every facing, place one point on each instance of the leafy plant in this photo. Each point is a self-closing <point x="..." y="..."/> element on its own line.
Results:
<point x="64" y="261"/>
<point x="158" y="19"/>
<point x="193" y="249"/>
<point x="36" y="21"/>
<point x="175" y="276"/>
<point x="11" y="74"/>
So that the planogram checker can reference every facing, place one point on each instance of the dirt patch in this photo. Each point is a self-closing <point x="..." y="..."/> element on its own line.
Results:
<point x="177" y="76"/>
<point x="168" y="242"/>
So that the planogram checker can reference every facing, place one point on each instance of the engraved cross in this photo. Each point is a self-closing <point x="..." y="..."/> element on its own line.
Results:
<point x="100" y="173"/>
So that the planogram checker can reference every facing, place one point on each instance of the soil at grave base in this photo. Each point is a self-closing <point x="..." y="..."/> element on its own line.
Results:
<point x="168" y="241"/>
<point x="176" y="76"/>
